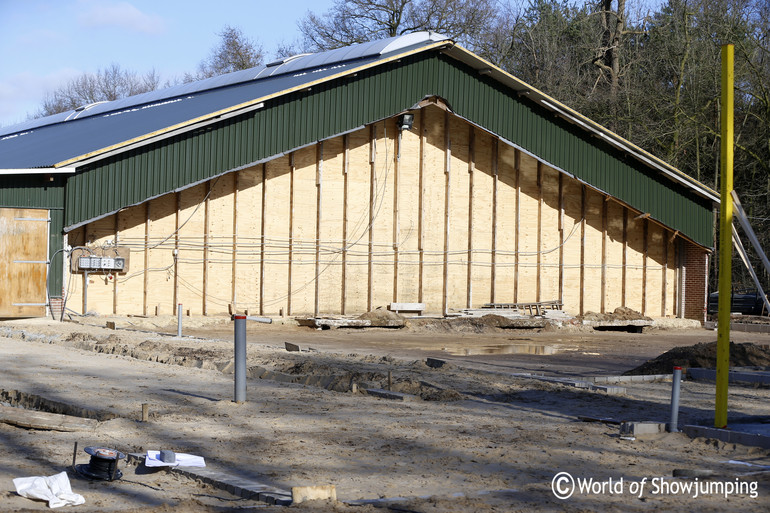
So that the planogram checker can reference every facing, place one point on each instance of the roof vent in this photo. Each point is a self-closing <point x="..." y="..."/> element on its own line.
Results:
<point x="285" y="60"/>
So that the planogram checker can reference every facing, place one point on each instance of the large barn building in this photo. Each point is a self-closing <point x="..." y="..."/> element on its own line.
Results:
<point x="402" y="170"/>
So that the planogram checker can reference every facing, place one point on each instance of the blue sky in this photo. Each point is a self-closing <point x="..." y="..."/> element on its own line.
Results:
<point x="47" y="42"/>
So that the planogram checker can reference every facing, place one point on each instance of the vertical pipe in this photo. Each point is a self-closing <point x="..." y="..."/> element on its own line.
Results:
<point x="725" y="239"/>
<point x="675" y="384"/>
<point x="179" y="320"/>
<point x="240" y="358"/>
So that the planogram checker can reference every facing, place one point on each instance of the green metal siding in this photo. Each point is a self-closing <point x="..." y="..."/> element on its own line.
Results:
<point x="330" y="108"/>
<point x="34" y="191"/>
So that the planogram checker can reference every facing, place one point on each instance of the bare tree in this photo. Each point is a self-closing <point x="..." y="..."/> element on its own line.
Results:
<point x="233" y="53"/>
<point x="357" y="21"/>
<point x="106" y="84"/>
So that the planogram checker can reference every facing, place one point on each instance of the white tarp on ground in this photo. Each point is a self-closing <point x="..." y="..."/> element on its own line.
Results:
<point x="55" y="489"/>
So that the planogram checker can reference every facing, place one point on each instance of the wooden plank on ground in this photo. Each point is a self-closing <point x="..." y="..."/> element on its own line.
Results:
<point x="34" y="419"/>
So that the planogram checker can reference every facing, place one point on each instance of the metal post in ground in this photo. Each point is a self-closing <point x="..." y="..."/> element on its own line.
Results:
<point x="240" y="358"/>
<point x="675" y="383"/>
<point x="179" y="320"/>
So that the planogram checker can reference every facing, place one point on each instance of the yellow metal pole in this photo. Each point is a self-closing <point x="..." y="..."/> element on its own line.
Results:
<point x="725" y="239"/>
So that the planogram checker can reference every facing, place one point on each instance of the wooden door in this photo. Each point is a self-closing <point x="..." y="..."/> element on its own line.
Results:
<point x="23" y="262"/>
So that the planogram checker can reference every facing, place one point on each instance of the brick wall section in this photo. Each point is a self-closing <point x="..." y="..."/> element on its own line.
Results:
<point x="695" y="269"/>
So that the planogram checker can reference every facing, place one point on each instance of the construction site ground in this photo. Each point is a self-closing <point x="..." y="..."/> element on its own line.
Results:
<point x="480" y="437"/>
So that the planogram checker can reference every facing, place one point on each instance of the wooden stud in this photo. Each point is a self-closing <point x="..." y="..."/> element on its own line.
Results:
<point x="262" y="243"/>
<point x="645" y="244"/>
<point x="625" y="259"/>
<point x="561" y="238"/>
<point x="345" y="168"/>
<point x="539" y="257"/>
<point x="115" y="280"/>
<point x="372" y="208"/>
<point x="582" y="247"/>
<point x="471" y="168"/>
<point x="421" y="206"/>
<point x="145" y="305"/>
<point x="517" y="169"/>
<point x="604" y="257"/>
<point x="319" y="168"/>
<point x="664" y="295"/>
<point x="493" y="276"/>
<point x="291" y="234"/>
<point x="447" y="189"/>
<point x="177" y="227"/>
<point x="206" y="242"/>
<point x="396" y="224"/>
<point x="234" y="280"/>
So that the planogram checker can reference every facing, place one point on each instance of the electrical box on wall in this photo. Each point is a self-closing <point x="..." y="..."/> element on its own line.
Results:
<point x="107" y="260"/>
<point x="95" y="263"/>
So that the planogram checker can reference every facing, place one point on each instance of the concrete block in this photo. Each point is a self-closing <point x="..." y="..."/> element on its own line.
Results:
<point x="291" y="347"/>
<point x="387" y="394"/>
<point x="609" y="389"/>
<point x="642" y="428"/>
<point x="110" y="325"/>
<point x="300" y="494"/>
<point x="435" y="363"/>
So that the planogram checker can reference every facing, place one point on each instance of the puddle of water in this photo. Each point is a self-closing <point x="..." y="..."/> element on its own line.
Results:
<point x="535" y="349"/>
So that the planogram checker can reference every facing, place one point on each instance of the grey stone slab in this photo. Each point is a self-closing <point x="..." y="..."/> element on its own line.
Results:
<point x="642" y="428"/>
<point x="387" y="394"/>
<point x="435" y="363"/>
<point x="609" y="389"/>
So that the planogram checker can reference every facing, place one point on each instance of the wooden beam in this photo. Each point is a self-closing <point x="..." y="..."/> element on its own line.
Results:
<point x="517" y="169"/>
<point x="372" y="208"/>
<point x="539" y="258"/>
<point x="604" y="257"/>
<point x="582" y="247"/>
<point x="234" y="274"/>
<point x="115" y="280"/>
<point x="664" y="295"/>
<point x="262" y="244"/>
<point x="447" y="190"/>
<point x="625" y="259"/>
<point x="396" y="221"/>
<point x="645" y="244"/>
<point x="345" y="168"/>
<point x="561" y="238"/>
<point x="495" y="178"/>
<point x="471" y="168"/>
<point x="146" y="286"/>
<point x="319" y="167"/>
<point x="291" y="235"/>
<point x="206" y="242"/>
<point x="421" y="207"/>
<point x="177" y="227"/>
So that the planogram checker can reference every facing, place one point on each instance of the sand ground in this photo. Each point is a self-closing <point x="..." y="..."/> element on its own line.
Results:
<point x="483" y="437"/>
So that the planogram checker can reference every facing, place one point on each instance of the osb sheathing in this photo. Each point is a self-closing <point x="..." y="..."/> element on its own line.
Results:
<point x="444" y="214"/>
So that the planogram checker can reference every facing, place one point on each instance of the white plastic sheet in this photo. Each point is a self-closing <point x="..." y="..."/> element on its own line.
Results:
<point x="55" y="489"/>
<point x="182" y="460"/>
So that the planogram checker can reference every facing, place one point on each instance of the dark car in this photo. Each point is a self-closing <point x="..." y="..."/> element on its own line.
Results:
<point x="745" y="301"/>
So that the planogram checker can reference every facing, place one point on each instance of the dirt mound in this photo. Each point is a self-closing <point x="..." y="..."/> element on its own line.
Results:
<point x="485" y="324"/>
<point x="621" y="313"/>
<point x="381" y="314"/>
<point x="704" y="355"/>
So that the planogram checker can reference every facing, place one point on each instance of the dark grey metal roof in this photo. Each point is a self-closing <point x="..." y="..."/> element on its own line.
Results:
<point x="55" y="139"/>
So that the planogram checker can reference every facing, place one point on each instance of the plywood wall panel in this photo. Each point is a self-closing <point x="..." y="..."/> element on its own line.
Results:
<point x="459" y="180"/>
<point x="656" y="261"/>
<point x="573" y="215"/>
<point x="408" y="233"/>
<point x="305" y="205"/>
<point x="382" y="226"/>
<point x="634" y="261"/>
<point x="528" y="240"/>
<point x="549" y="238"/>
<point x="130" y="287"/>
<point x="249" y="227"/>
<point x="506" y="224"/>
<point x="220" y="264"/>
<point x="434" y="187"/>
<point x="160" y="248"/>
<point x="191" y="220"/>
<point x="592" y="279"/>
<point x="614" y="270"/>
<point x="357" y="272"/>
<point x="332" y="243"/>
<point x="483" y="190"/>
<point x="277" y="218"/>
